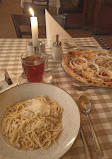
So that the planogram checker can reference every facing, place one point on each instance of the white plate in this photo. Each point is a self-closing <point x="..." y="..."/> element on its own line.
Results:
<point x="70" y="120"/>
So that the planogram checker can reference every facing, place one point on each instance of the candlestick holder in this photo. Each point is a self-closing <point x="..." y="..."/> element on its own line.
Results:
<point x="35" y="50"/>
<point x="31" y="50"/>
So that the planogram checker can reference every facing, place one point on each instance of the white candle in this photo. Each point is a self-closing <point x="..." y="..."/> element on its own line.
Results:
<point x="34" y="28"/>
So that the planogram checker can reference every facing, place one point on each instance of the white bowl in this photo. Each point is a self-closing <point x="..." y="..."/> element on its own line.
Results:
<point x="70" y="120"/>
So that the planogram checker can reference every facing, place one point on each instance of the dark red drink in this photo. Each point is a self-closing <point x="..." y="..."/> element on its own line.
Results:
<point x="33" y="68"/>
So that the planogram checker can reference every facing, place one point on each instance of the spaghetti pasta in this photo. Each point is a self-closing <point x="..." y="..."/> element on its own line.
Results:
<point x="34" y="123"/>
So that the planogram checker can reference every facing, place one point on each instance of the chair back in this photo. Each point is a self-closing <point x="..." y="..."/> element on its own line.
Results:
<point x="38" y="6"/>
<point x="61" y="19"/>
<point x="20" y="20"/>
<point x="42" y="3"/>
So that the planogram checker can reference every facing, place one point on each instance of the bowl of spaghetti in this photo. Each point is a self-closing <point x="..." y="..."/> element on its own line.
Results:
<point x="37" y="120"/>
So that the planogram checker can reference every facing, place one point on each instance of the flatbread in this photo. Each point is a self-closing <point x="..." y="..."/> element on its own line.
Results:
<point x="93" y="67"/>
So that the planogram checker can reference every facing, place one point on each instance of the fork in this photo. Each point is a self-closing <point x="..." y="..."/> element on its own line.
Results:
<point x="83" y="46"/>
<point x="84" y="88"/>
<point x="70" y="46"/>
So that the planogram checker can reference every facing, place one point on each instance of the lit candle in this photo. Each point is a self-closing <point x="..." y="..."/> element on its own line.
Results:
<point x="34" y="28"/>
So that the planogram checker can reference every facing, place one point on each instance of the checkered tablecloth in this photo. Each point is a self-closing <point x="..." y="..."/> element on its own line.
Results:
<point x="101" y="99"/>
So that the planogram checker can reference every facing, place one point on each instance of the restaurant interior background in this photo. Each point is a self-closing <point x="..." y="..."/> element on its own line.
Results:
<point x="85" y="18"/>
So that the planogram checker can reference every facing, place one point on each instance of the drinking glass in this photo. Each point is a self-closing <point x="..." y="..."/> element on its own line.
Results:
<point x="34" y="66"/>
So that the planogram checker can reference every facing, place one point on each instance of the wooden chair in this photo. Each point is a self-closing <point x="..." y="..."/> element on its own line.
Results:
<point x="22" y="20"/>
<point x="38" y="6"/>
<point x="44" y="3"/>
<point x="61" y="19"/>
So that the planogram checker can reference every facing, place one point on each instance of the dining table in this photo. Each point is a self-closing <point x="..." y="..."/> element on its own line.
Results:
<point x="100" y="98"/>
<point x="56" y="4"/>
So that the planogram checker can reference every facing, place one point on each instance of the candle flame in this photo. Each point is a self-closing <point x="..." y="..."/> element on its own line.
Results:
<point x="31" y="12"/>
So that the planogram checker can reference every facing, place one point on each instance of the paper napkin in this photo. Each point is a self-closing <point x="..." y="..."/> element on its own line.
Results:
<point x="4" y="85"/>
<point x="53" y="28"/>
